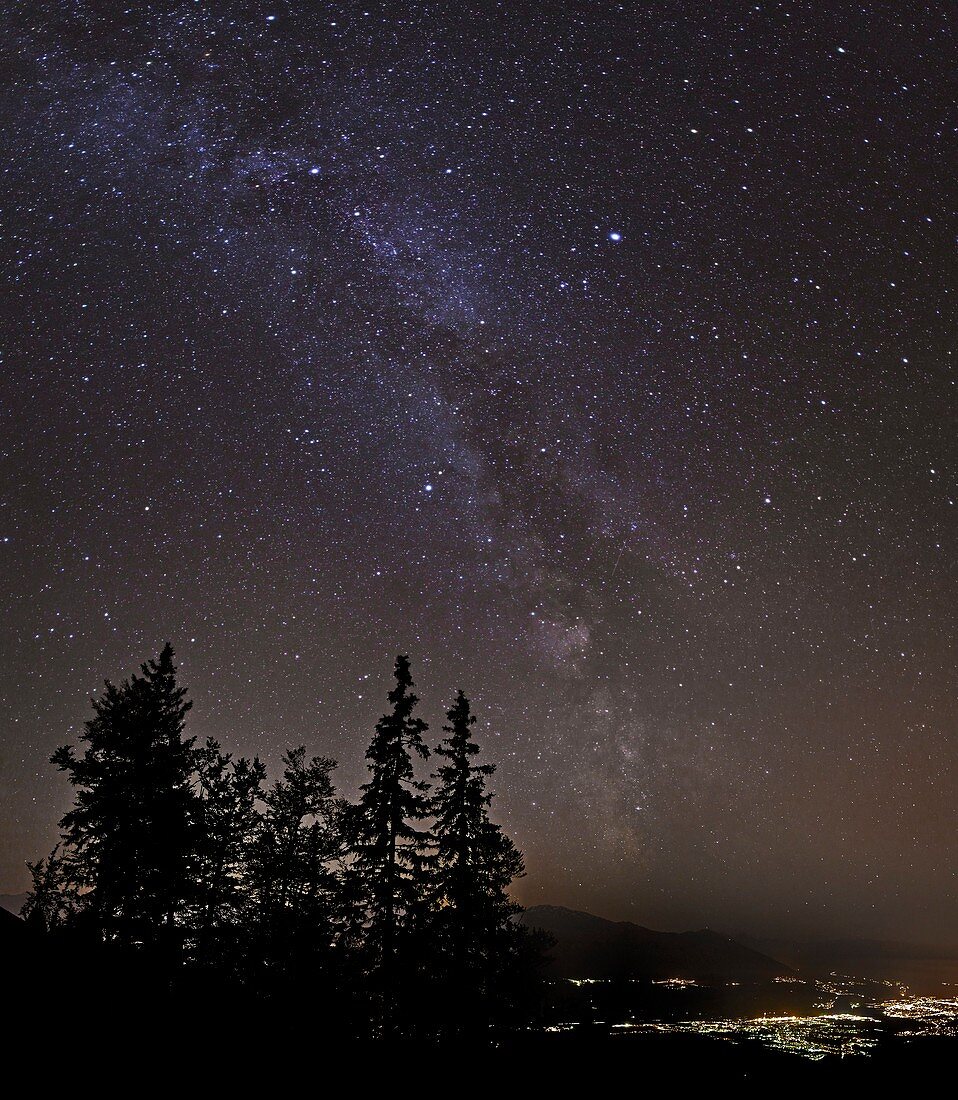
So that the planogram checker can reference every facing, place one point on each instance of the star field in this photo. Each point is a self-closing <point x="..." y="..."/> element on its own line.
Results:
<point x="599" y="356"/>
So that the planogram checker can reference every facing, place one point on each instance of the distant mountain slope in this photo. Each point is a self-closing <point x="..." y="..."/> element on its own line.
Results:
<point x="13" y="903"/>
<point x="592" y="947"/>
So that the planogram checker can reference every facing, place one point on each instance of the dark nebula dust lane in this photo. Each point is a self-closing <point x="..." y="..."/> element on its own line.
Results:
<point x="601" y="357"/>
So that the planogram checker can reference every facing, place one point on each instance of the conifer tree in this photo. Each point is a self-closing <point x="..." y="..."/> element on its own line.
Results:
<point x="388" y="867"/>
<point x="129" y="841"/>
<point x="53" y="901"/>
<point x="220" y="882"/>
<point x="229" y="821"/>
<point x="293" y="877"/>
<point x="474" y="864"/>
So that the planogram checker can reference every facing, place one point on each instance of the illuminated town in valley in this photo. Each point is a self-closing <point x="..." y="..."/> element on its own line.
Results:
<point x="849" y="1019"/>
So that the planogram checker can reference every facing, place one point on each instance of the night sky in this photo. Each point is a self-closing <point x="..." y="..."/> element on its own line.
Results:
<point x="598" y="356"/>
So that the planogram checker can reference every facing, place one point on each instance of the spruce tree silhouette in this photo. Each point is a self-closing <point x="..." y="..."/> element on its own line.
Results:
<point x="473" y="865"/>
<point x="293" y="883"/>
<point x="130" y="840"/>
<point x="230" y="793"/>
<point x="182" y="872"/>
<point x="388" y="868"/>
<point x="54" y="899"/>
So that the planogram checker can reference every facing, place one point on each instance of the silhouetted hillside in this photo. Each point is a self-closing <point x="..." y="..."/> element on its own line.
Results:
<point x="12" y="903"/>
<point x="22" y="963"/>
<point x="12" y="930"/>
<point x="592" y="947"/>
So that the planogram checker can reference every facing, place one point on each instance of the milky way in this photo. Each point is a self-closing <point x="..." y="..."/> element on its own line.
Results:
<point x="599" y="356"/>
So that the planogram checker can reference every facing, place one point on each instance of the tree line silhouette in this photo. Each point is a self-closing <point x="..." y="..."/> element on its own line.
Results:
<point x="187" y="875"/>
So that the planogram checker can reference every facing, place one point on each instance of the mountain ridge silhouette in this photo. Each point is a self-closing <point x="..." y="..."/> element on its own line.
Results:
<point x="587" y="946"/>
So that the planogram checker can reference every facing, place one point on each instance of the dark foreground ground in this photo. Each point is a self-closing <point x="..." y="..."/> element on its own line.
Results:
<point x="201" y="1056"/>
<point x="83" y="1022"/>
